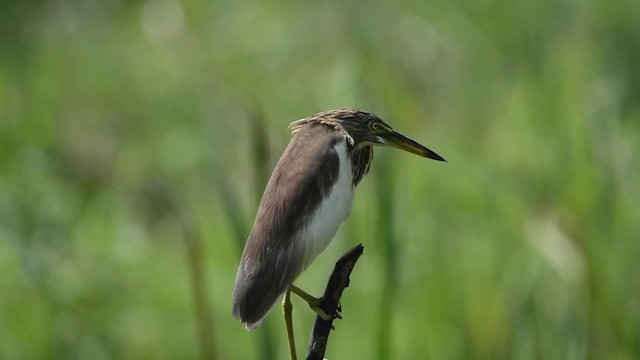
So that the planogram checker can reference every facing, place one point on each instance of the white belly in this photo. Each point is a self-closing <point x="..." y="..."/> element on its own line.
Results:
<point x="331" y="211"/>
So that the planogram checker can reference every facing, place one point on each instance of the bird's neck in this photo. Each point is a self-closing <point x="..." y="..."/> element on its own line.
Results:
<point x="360" y="157"/>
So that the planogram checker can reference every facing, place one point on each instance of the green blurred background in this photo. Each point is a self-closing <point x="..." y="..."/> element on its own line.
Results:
<point x="136" y="137"/>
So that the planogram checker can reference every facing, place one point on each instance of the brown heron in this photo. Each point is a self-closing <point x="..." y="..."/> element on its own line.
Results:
<point x="309" y="194"/>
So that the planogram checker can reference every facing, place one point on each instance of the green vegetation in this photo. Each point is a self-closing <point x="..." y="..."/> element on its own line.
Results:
<point x="135" y="138"/>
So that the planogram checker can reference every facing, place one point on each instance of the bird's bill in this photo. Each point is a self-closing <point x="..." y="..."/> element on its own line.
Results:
<point x="395" y="139"/>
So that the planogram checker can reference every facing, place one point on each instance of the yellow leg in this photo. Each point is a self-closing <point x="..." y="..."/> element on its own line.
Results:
<point x="314" y="303"/>
<point x="286" y="310"/>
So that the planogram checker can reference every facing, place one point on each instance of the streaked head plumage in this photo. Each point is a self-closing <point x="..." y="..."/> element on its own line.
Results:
<point x="363" y="128"/>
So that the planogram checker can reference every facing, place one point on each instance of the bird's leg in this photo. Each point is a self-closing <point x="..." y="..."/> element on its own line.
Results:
<point x="314" y="303"/>
<point x="286" y="310"/>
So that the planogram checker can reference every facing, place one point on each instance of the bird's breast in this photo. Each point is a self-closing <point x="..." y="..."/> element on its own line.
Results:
<point x="332" y="210"/>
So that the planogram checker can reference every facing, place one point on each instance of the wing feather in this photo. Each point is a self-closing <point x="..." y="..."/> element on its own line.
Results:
<point x="273" y="255"/>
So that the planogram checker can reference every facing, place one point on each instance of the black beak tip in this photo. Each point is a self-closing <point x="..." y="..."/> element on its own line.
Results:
<point x="435" y="156"/>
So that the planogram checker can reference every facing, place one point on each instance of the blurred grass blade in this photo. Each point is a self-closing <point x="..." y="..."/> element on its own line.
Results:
<point x="384" y="183"/>
<point x="162" y="201"/>
<point x="260" y="150"/>
<point x="231" y="205"/>
<point x="199" y="287"/>
<point x="239" y="223"/>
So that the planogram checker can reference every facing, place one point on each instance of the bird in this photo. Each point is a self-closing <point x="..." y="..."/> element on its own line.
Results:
<point x="309" y="194"/>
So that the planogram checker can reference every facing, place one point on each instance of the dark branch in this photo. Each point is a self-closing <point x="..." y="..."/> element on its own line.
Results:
<point x="338" y="281"/>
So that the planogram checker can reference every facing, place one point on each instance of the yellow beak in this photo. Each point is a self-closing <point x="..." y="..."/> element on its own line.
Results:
<point x="395" y="139"/>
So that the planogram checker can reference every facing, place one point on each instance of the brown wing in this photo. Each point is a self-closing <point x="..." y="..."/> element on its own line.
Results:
<point x="272" y="258"/>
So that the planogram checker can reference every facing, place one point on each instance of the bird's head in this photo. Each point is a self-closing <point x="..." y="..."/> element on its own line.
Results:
<point x="366" y="129"/>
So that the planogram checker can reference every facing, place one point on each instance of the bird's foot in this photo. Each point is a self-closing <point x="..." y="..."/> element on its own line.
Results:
<point x="314" y="304"/>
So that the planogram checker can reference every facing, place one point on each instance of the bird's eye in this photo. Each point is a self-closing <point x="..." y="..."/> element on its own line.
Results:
<point x="374" y="125"/>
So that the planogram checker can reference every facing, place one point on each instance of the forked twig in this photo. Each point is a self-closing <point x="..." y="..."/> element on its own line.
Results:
<point x="330" y="304"/>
